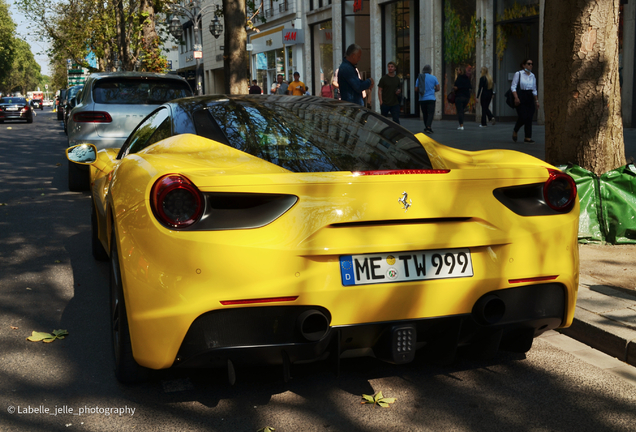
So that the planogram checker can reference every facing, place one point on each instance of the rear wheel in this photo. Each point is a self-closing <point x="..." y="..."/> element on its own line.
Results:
<point x="99" y="253"/>
<point x="127" y="370"/>
<point x="78" y="179"/>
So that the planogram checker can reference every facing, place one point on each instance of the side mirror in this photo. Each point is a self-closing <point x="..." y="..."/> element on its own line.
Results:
<point x="84" y="154"/>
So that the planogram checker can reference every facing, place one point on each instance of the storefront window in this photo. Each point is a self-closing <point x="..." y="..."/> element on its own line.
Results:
<point x="269" y="64"/>
<point x="459" y="48"/>
<point x="323" y="66"/>
<point x="517" y="39"/>
<point x="398" y="40"/>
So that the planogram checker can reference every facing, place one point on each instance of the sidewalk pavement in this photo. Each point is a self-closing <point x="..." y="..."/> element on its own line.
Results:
<point x="605" y="316"/>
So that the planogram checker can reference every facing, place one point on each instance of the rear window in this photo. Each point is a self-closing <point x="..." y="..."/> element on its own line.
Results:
<point x="73" y="91"/>
<point x="308" y="136"/>
<point x="13" y="100"/>
<point x="142" y="91"/>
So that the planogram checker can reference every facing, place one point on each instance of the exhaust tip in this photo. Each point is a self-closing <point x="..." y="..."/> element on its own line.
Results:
<point x="313" y="325"/>
<point x="489" y="309"/>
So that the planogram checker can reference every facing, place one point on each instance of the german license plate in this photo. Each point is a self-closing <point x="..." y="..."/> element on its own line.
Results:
<point x="405" y="266"/>
<point x="12" y="108"/>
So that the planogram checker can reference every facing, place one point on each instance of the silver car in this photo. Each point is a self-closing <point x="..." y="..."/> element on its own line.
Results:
<point x="111" y="105"/>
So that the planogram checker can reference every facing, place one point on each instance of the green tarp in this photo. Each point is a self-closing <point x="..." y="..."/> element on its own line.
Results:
<point x="608" y="204"/>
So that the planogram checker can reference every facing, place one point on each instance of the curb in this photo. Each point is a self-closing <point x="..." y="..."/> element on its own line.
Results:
<point x="603" y="334"/>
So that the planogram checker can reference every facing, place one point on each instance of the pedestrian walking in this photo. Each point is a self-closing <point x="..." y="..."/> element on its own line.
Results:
<point x="297" y="87"/>
<point x="486" y="92"/>
<point x="390" y="93"/>
<point x="524" y="90"/>
<point x="280" y="86"/>
<point x="335" y="85"/>
<point x="349" y="82"/>
<point x="326" y="90"/>
<point x="462" y="89"/>
<point x="426" y="85"/>
<point x="254" y="88"/>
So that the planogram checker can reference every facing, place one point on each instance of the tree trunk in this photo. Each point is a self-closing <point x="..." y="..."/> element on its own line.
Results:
<point x="582" y="90"/>
<point x="149" y="32"/>
<point x="235" y="40"/>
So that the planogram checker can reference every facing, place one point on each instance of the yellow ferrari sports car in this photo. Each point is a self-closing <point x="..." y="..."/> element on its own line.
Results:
<point x="279" y="229"/>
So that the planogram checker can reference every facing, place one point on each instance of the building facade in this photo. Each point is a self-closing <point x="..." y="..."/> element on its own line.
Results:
<point x="310" y="36"/>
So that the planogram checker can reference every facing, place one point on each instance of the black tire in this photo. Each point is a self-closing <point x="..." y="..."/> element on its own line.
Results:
<point x="30" y="120"/>
<point x="78" y="179"/>
<point x="127" y="370"/>
<point x="99" y="253"/>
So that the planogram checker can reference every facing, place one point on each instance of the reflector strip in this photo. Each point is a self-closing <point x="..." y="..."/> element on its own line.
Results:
<point x="260" y="300"/>
<point x="535" y="279"/>
<point x="397" y="172"/>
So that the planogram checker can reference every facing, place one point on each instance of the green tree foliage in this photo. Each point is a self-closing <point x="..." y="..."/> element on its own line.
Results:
<point x="459" y="39"/>
<point x="24" y="74"/>
<point x="7" y="42"/>
<point x="122" y="30"/>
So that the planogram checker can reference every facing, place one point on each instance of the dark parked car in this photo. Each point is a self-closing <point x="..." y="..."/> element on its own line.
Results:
<point x="60" y="106"/>
<point x="71" y="94"/>
<point x="15" y="108"/>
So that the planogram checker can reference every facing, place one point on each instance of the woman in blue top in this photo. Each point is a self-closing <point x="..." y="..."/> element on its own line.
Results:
<point x="426" y="90"/>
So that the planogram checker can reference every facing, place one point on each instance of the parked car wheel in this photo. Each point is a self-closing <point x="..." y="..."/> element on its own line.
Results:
<point x="30" y="120"/>
<point x="127" y="370"/>
<point x="99" y="253"/>
<point x="78" y="179"/>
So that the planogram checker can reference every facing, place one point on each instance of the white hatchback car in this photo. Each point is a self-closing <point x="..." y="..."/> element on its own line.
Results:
<point x="109" y="108"/>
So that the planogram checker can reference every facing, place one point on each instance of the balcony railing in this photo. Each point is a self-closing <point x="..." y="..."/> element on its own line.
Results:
<point x="269" y="13"/>
<point x="284" y="6"/>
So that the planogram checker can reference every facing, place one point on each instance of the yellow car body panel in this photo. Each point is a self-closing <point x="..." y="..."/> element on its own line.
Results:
<point x="171" y="277"/>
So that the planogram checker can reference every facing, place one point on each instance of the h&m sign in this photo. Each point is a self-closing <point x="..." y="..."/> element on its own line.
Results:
<point x="293" y="36"/>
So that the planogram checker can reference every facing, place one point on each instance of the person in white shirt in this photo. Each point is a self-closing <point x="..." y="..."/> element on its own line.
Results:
<point x="524" y="90"/>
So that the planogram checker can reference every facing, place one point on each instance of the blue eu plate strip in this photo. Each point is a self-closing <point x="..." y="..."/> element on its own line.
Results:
<point x="346" y="270"/>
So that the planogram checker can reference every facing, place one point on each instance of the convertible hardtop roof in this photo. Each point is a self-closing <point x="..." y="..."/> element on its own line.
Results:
<point x="264" y="99"/>
<point x="101" y="75"/>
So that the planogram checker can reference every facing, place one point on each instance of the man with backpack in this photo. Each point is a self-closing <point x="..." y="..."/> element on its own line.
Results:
<point x="426" y="85"/>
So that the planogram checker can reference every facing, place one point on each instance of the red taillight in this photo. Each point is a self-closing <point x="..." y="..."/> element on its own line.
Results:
<point x="26" y="108"/>
<point x="176" y="201"/>
<point x="258" y="300"/>
<point x="559" y="191"/>
<point x="92" y="117"/>
<point x="404" y="171"/>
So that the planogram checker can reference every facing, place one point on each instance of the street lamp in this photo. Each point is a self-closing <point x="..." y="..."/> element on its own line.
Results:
<point x="194" y="12"/>
<point x="216" y="28"/>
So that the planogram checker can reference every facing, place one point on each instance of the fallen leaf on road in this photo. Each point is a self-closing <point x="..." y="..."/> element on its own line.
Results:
<point x="267" y="429"/>
<point x="378" y="399"/>
<point x="47" y="337"/>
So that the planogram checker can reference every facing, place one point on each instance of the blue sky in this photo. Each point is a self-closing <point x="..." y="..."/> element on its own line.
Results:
<point x="23" y="32"/>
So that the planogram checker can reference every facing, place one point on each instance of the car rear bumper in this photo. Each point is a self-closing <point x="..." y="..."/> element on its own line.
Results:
<point x="15" y="116"/>
<point x="507" y="319"/>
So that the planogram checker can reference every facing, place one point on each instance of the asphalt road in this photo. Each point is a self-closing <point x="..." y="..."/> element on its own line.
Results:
<point x="48" y="280"/>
